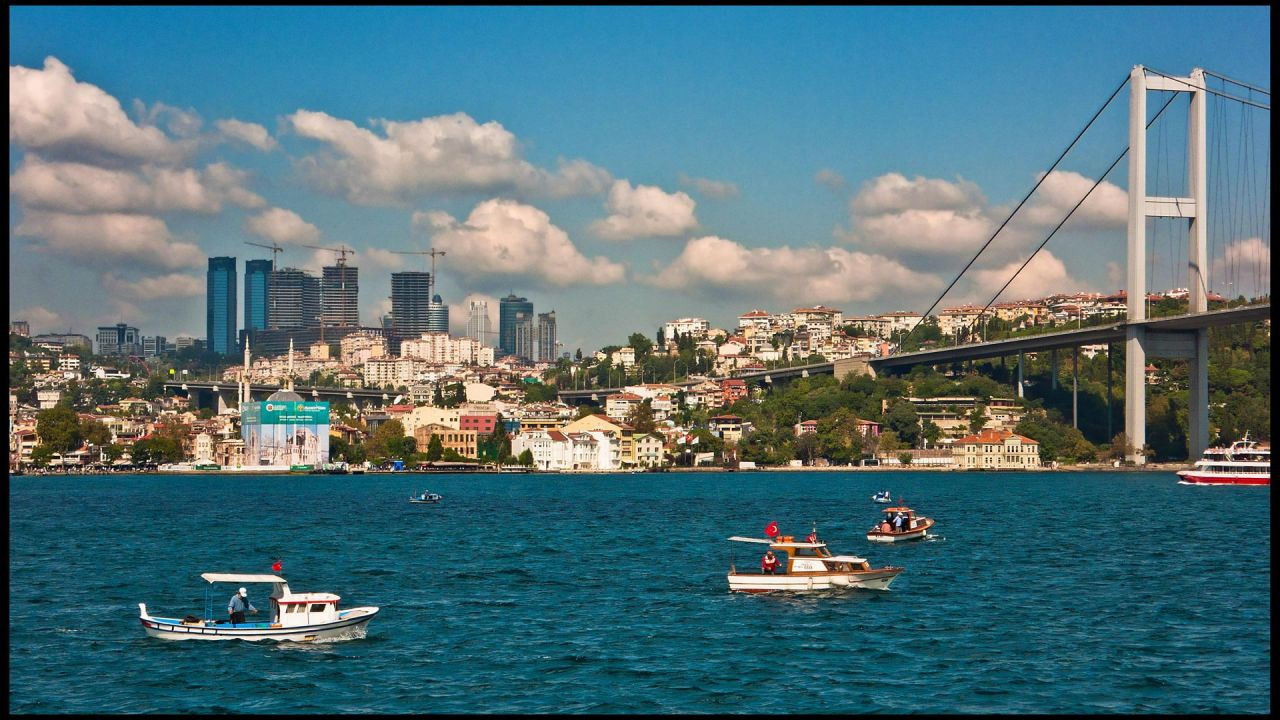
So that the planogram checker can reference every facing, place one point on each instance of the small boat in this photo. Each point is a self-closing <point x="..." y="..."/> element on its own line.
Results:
<point x="299" y="617"/>
<point x="809" y="566"/>
<point x="425" y="498"/>
<point x="1244" y="463"/>
<point x="914" y="527"/>
<point x="882" y="497"/>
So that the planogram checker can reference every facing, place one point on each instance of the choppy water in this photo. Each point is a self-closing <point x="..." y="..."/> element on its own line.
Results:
<point x="1049" y="592"/>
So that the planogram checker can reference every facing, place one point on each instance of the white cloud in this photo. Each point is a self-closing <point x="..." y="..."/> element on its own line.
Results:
<point x="1107" y="206"/>
<point x="283" y="226"/>
<point x="246" y="132"/>
<point x="505" y="239"/>
<point x="384" y="259"/>
<point x="644" y="211"/>
<point x="1246" y="264"/>
<point x="179" y="122"/>
<point x="41" y="318"/>
<point x="109" y="237"/>
<point x="153" y="288"/>
<point x="790" y="275"/>
<point x="80" y="188"/>
<point x="1044" y="275"/>
<point x="50" y="111"/>
<point x="714" y="189"/>
<point x="894" y="193"/>
<point x="435" y="154"/>
<point x="830" y="179"/>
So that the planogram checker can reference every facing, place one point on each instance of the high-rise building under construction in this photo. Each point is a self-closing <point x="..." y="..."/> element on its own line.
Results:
<point x="293" y="299"/>
<point x="547" y="336"/>
<point x="410" y="305"/>
<point x="339" y="294"/>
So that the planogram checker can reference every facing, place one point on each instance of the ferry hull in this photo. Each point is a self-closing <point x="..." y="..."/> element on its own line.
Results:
<point x="1193" y="478"/>
<point x="354" y="625"/>
<point x="759" y="583"/>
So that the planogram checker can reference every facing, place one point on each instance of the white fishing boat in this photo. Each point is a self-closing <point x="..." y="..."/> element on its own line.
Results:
<point x="882" y="497"/>
<point x="425" y="498"/>
<point x="809" y="566"/>
<point x="912" y="527"/>
<point x="299" y="617"/>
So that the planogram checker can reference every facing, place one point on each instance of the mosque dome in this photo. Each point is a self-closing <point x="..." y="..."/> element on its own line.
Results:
<point x="286" y="395"/>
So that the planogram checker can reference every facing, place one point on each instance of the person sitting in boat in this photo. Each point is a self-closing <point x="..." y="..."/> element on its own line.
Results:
<point x="811" y="537"/>
<point x="769" y="563"/>
<point x="237" y="606"/>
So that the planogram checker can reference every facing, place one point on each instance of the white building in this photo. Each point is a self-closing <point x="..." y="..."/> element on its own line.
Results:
<point x="439" y="348"/>
<point x="686" y="327"/>
<point x="360" y="347"/>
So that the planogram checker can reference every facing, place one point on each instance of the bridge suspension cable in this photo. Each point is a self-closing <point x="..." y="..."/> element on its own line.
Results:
<point x="1210" y="90"/>
<point x="1071" y="212"/>
<point x="1016" y="209"/>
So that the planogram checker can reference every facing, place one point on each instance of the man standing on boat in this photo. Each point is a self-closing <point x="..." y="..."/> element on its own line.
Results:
<point x="237" y="606"/>
<point x="769" y="563"/>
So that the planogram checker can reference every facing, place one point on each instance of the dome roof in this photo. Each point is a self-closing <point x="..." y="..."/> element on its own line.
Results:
<point x="283" y="394"/>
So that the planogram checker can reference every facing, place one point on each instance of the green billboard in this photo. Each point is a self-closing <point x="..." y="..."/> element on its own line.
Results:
<point x="286" y="412"/>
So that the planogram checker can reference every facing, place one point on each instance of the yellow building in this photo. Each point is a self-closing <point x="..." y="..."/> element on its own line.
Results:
<point x="996" y="450"/>
<point x="625" y="433"/>
<point x="462" y="442"/>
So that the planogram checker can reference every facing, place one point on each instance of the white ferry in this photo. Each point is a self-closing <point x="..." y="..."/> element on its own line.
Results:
<point x="300" y="617"/>
<point x="809" y="566"/>
<point x="1244" y="463"/>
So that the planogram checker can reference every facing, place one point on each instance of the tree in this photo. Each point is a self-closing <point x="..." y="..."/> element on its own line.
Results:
<point x="641" y="417"/>
<point x="904" y="458"/>
<point x="95" y="432"/>
<point x="113" y="452"/>
<point x="641" y="344"/>
<point x="41" y="455"/>
<point x="435" y="448"/>
<point x="889" y="442"/>
<point x="904" y="422"/>
<point x="977" y="418"/>
<point x="388" y="434"/>
<point x="931" y="432"/>
<point x="59" y="428"/>
<point x="1120" y="447"/>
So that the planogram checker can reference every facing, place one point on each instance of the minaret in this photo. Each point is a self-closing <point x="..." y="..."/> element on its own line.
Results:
<point x="244" y="376"/>
<point x="290" y="373"/>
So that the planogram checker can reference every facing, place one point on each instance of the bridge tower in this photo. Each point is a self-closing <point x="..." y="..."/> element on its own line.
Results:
<point x="1139" y="342"/>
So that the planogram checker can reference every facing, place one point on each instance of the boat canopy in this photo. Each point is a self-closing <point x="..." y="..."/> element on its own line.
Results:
<point x="765" y="541"/>
<point x="904" y="509"/>
<point x="241" y="578"/>
<point x="844" y="558"/>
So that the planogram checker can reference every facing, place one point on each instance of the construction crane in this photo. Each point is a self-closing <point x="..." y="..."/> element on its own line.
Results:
<point x="274" y="248"/>
<point x="342" y="250"/>
<point x="432" y="252"/>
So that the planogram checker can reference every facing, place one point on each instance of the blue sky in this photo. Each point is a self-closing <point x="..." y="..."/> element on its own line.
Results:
<point x="622" y="166"/>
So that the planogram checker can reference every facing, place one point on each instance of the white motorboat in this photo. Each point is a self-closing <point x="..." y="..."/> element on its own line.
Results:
<point x="299" y="617"/>
<point x="1244" y="463"/>
<point x="882" y="497"/>
<point x="425" y="498"/>
<point x="809" y="566"/>
<point x="913" y="527"/>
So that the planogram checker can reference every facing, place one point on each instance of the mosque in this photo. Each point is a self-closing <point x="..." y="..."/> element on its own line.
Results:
<point x="284" y="431"/>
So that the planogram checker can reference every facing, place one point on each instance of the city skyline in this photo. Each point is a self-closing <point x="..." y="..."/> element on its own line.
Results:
<point x="852" y="157"/>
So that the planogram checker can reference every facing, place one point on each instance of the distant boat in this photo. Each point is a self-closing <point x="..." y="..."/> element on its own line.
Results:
<point x="913" y="527"/>
<point x="809" y="566"/>
<point x="425" y="498"/>
<point x="882" y="497"/>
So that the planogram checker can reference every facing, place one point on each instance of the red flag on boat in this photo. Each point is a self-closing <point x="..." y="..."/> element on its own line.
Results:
<point x="278" y="565"/>
<point x="771" y="529"/>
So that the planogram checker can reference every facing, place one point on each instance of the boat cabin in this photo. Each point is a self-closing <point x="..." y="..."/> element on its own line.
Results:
<point x="886" y="525"/>
<point x="292" y="610"/>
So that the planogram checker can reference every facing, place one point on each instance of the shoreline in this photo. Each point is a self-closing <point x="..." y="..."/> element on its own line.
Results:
<point x="1091" y="467"/>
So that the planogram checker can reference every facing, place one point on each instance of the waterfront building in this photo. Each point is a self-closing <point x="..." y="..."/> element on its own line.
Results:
<point x="463" y="442"/>
<point x="339" y="295"/>
<point x="220" y="305"/>
<point x="626" y="453"/>
<point x="650" y="450"/>
<point x="478" y="326"/>
<point x="437" y="315"/>
<point x="119" y="339"/>
<point x="511" y="310"/>
<point x="257" y="278"/>
<point x="728" y="428"/>
<point x="293" y="299"/>
<point x="410" y="305"/>
<point x="996" y="450"/>
<point x="547" y="336"/>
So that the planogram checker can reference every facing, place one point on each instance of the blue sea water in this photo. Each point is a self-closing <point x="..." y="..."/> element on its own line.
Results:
<point x="1044" y="592"/>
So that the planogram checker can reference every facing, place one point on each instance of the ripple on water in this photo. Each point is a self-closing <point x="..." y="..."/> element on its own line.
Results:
<point x="607" y="594"/>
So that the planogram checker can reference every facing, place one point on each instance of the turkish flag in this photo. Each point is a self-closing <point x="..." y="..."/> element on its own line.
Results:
<point x="278" y="565"/>
<point x="771" y="529"/>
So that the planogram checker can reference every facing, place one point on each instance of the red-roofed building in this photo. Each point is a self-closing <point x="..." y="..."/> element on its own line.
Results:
<point x="996" y="450"/>
<point x="732" y="390"/>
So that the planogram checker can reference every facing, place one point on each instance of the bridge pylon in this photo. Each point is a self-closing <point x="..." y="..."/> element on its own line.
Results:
<point x="1140" y="342"/>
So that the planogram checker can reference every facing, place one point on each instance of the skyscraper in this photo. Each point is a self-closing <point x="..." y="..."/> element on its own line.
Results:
<point x="120" y="339"/>
<point x="257" y="276"/>
<point x="547" y="336"/>
<point x="508" y="308"/>
<point x="410" y="303"/>
<point x="478" y="327"/>
<point x="437" y="316"/>
<point x="220" y="308"/>
<point x="293" y="300"/>
<point x="524" y="336"/>
<point x="339" y="291"/>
